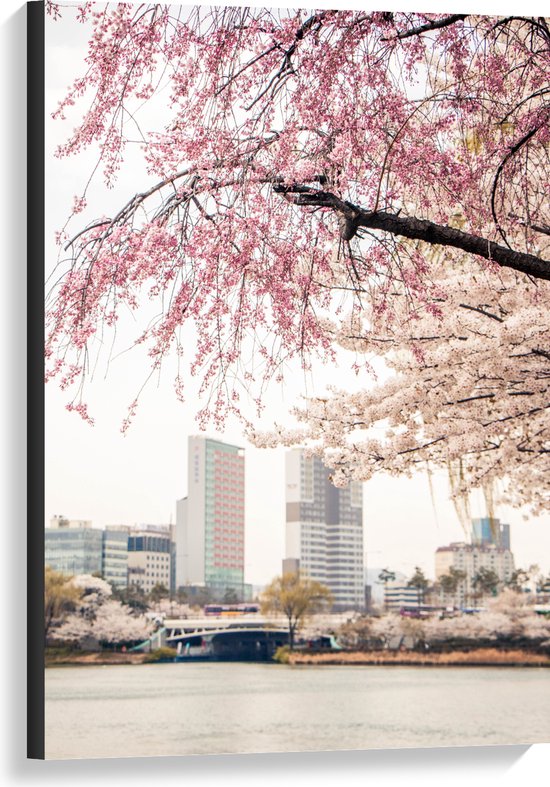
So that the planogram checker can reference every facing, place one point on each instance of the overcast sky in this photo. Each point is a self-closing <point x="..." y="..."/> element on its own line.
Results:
<point x="97" y="473"/>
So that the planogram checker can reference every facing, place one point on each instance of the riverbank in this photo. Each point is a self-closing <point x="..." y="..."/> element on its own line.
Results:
<point x="483" y="657"/>
<point x="99" y="658"/>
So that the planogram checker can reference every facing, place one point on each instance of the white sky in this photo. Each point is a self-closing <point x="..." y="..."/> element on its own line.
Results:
<point x="97" y="473"/>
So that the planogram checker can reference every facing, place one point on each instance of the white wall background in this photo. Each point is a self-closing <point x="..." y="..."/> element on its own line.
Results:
<point x="481" y="766"/>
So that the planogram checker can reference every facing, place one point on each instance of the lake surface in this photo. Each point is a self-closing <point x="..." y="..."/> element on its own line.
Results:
<point x="206" y="708"/>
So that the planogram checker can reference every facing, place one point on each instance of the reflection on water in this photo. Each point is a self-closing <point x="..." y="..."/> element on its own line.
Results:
<point x="170" y="709"/>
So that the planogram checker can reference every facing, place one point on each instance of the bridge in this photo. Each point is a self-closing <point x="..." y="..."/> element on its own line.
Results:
<point x="229" y="644"/>
<point x="248" y="637"/>
<point x="178" y="626"/>
<point x="243" y="638"/>
<point x="235" y="638"/>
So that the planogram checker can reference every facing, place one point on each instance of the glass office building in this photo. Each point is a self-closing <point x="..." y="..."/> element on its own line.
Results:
<point x="74" y="550"/>
<point x="115" y="556"/>
<point x="489" y="530"/>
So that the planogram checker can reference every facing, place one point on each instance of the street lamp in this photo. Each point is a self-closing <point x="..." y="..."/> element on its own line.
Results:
<point x="368" y="595"/>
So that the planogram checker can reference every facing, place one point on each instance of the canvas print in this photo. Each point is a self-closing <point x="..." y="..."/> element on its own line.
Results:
<point x="297" y="355"/>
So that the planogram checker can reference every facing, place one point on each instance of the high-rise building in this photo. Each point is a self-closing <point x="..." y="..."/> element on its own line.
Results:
<point x="324" y="528"/>
<point x="210" y="520"/>
<point x="488" y="530"/>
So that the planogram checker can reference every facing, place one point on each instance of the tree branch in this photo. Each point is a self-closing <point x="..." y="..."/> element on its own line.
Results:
<point x="511" y="152"/>
<point x="481" y="311"/>
<point x="419" y="229"/>
<point x="434" y="25"/>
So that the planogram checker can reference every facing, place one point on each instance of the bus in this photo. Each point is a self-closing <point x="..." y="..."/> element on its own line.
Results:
<point x="230" y="610"/>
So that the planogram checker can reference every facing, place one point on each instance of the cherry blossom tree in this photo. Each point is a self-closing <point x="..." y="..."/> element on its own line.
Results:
<point x="60" y="597"/>
<point x="374" y="181"/>
<point x="469" y="393"/>
<point x="509" y="616"/>
<point x="94" y="589"/>
<point x="173" y="608"/>
<point x="112" y="624"/>
<point x="508" y="620"/>
<point x="94" y="592"/>
<point x="388" y="629"/>
<point x="98" y="617"/>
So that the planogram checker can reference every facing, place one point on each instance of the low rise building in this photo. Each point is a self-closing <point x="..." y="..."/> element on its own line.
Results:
<point x="398" y="595"/>
<point x="73" y="547"/>
<point x="115" y="556"/>
<point x="150" y="557"/>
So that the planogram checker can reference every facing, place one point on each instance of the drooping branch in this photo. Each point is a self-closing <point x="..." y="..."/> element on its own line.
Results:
<point x="313" y="22"/>
<point x="512" y="152"/>
<point x="418" y="229"/>
<point x="543" y="229"/>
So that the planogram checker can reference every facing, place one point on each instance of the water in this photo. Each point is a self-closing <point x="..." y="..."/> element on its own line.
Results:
<point x="206" y="708"/>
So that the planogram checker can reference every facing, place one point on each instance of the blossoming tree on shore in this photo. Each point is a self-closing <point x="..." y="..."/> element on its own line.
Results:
<point x="371" y="181"/>
<point x="508" y="621"/>
<point x="100" y="618"/>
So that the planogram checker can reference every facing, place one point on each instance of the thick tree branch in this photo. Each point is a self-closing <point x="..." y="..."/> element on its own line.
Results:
<point x="428" y="231"/>
<point x="419" y="229"/>
<point x="434" y="25"/>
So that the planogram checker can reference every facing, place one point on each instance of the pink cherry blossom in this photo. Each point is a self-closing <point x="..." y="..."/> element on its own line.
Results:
<point x="372" y="180"/>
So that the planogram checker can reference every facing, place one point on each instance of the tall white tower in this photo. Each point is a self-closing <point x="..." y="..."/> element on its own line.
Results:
<point x="210" y="520"/>
<point x="324" y="528"/>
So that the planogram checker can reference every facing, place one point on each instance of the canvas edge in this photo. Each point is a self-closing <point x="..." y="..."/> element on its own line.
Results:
<point x="35" y="379"/>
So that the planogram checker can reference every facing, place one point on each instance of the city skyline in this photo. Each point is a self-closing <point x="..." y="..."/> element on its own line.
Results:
<point x="98" y="473"/>
<point x="267" y="562"/>
<point x="323" y="543"/>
